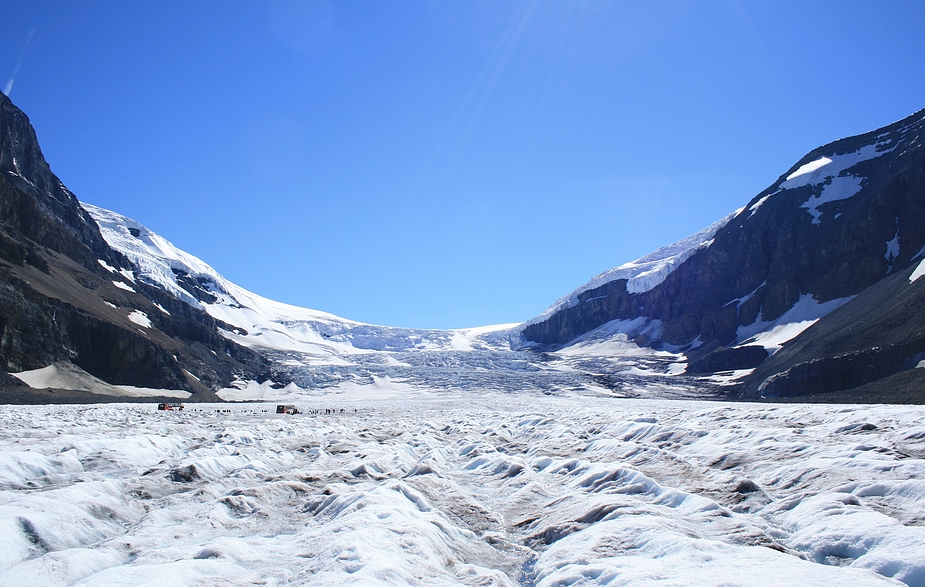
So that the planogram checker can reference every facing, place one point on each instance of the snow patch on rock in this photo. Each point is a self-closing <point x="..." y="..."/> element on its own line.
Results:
<point x="772" y="334"/>
<point x="807" y="168"/>
<point x="140" y="318"/>
<point x="837" y="188"/>
<point x="832" y="173"/>
<point x="919" y="271"/>
<point x="892" y="248"/>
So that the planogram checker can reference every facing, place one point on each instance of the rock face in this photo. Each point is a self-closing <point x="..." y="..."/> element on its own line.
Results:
<point x="844" y="218"/>
<point x="726" y="359"/>
<point x="66" y="295"/>
<point x="876" y="341"/>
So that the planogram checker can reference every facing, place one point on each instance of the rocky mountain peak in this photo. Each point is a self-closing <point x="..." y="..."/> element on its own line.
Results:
<point x="51" y="216"/>
<point x="840" y="220"/>
<point x="66" y="296"/>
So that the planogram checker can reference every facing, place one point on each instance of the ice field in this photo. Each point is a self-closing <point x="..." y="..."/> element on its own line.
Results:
<point x="476" y="489"/>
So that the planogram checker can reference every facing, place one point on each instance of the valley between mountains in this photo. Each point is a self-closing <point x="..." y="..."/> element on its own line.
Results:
<point x="664" y="424"/>
<point x="809" y="291"/>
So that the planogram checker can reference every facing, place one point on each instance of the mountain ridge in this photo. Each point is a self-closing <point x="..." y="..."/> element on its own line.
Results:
<point x="843" y="217"/>
<point x="67" y="296"/>
<point x="766" y="301"/>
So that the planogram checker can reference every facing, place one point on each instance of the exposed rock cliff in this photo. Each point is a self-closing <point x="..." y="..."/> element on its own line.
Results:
<point x="66" y="295"/>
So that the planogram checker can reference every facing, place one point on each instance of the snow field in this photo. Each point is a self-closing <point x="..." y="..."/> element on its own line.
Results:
<point x="476" y="490"/>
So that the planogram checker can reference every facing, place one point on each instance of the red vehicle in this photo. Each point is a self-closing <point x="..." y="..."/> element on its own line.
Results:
<point x="170" y="406"/>
<point x="286" y="409"/>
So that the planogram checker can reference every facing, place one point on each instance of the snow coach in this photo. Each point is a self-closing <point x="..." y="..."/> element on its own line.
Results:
<point x="170" y="406"/>
<point x="287" y="409"/>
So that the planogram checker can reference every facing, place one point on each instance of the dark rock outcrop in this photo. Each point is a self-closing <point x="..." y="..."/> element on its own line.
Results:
<point x="729" y="359"/>
<point x="37" y="206"/>
<point x="59" y="303"/>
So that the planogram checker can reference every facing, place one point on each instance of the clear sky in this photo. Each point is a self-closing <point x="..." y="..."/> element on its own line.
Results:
<point x="444" y="163"/>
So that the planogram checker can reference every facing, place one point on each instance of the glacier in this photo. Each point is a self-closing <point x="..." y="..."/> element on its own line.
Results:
<point x="432" y="457"/>
<point x="316" y="352"/>
<point x="464" y="489"/>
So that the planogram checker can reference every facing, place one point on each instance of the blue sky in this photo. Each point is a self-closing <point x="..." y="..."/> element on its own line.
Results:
<point x="445" y="163"/>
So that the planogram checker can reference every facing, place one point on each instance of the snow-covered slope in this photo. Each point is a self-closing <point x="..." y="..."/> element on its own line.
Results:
<point x="316" y="353"/>
<point x="270" y="324"/>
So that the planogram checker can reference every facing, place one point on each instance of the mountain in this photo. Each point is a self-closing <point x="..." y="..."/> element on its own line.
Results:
<point x="68" y="298"/>
<point x="812" y="290"/>
<point x="255" y="321"/>
<point x="319" y="352"/>
<point x="91" y="300"/>
<point x="814" y="272"/>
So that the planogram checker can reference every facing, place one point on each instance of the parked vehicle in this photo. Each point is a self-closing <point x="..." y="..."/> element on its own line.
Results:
<point x="286" y="409"/>
<point x="170" y="406"/>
